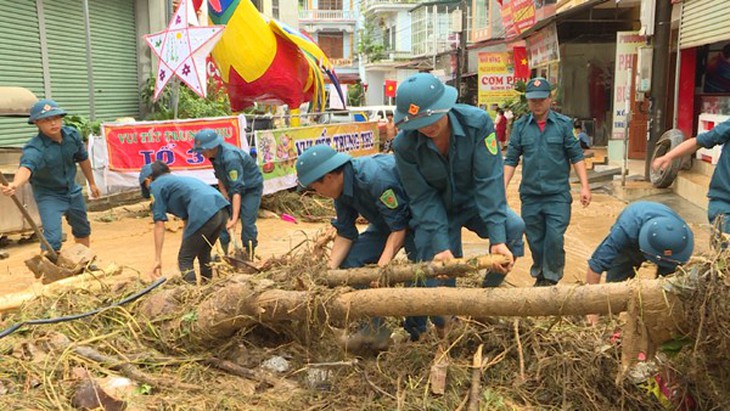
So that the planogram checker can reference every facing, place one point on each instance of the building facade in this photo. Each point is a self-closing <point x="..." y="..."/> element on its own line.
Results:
<point x="332" y="24"/>
<point x="88" y="55"/>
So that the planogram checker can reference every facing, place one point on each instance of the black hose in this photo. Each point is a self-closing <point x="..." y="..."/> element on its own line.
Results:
<point x="129" y="299"/>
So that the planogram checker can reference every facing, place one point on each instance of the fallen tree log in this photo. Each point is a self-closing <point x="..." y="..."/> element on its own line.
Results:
<point x="400" y="273"/>
<point x="89" y="281"/>
<point x="242" y="304"/>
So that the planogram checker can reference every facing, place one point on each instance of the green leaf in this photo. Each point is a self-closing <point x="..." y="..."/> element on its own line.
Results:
<point x="190" y="317"/>
<point x="674" y="346"/>
<point x="144" y="389"/>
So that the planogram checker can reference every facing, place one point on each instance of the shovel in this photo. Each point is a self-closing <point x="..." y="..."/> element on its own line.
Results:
<point x="240" y="259"/>
<point x="67" y="263"/>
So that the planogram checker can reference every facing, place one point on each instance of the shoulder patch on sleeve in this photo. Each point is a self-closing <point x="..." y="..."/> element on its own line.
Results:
<point x="233" y="175"/>
<point x="491" y="143"/>
<point x="389" y="199"/>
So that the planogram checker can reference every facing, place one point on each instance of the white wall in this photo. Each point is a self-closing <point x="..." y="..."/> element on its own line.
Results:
<point x="375" y="81"/>
<point x="403" y="31"/>
<point x="289" y="12"/>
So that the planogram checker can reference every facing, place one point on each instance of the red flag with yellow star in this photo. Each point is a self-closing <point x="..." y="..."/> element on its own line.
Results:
<point x="390" y="86"/>
<point x="522" y="69"/>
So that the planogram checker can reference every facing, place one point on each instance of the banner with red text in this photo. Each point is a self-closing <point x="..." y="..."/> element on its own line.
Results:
<point x="131" y="146"/>
<point x="496" y="79"/>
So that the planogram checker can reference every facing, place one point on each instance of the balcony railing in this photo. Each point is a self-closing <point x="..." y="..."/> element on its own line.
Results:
<point x="399" y="55"/>
<point x="372" y="5"/>
<point x="335" y="15"/>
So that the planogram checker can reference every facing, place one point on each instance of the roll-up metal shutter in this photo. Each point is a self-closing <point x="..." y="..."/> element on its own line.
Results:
<point x="114" y="58"/>
<point x="20" y="63"/>
<point x="66" y="45"/>
<point x="704" y="22"/>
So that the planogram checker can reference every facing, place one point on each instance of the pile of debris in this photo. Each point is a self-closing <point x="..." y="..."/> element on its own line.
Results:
<point x="270" y="340"/>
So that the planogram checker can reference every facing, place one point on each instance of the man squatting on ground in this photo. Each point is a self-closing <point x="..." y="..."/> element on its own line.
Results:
<point x="369" y="187"/>
<point x="451" y="168"/>
<point x="202" y="208"/>
<point x="49" y="163"/>
<point x="240" y="181"/>
<point x="544" y="139"/>
<point x="644" y="231"/>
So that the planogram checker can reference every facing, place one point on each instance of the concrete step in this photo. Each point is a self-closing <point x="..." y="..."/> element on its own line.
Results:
<point x="598" y="173"/>
<point x="693" y="186"/>
<point x="702" y="167"/>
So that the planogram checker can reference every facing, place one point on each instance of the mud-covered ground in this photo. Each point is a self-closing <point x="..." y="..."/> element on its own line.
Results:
<point x="124" y="235"/>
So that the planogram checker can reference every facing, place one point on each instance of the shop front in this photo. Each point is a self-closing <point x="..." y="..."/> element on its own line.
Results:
<point x="703" y="87"/>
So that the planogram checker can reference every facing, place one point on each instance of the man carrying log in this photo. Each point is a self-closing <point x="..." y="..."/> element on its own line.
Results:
<point x="49" y="163"/>
<point x="451" y="167"/>
<point x="644" y="231"/>
<point x="370" y="187"/>
<point x="202" y="207"/>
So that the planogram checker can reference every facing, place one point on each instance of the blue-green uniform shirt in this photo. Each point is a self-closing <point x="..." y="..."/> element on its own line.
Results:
<point x="53" y="165"/>
<point x="372" y="189"/>
<point x="187" y="198"/>
<point x="471" y="176"/>
<point x="624" y="234"/>
<point x="547" y="155"/>
<point x="236" y="169"/>
<point x="720" y="182"/>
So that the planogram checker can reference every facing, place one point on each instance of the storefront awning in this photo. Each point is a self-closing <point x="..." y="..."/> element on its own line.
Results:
<point x="556" y="18"/>
<point x="345" y="78"/>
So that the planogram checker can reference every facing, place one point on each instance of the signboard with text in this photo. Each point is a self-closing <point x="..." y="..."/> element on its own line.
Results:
<point x="278" y="149"/>
<point x="496" y="79"/>
<point x="543" y="48"/>
<point x="627" y="44"/>
<point x="131" y="146"/>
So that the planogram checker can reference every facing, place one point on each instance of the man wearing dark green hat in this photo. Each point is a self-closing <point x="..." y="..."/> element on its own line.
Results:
<point x="201" y="206"/>
<point x="239" y="180"/>
<point x="367" y="186"/>
<point x="49" y="163"/>
<point x="449" y="160"/>
<point x="544" y="139"/>
<point x="644" y="231"/>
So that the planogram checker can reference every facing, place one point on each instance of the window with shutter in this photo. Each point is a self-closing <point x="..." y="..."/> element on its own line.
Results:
<point x="331" y="44"/>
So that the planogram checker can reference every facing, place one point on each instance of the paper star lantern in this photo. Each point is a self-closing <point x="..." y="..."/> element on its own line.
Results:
<point x="181" y="50"/>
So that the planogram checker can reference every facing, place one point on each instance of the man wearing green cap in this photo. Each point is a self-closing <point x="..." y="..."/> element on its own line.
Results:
<point x="367" y="186"/>
<point x="239" y="180"/>
<point x="449" y="160"/>
<point x="644" y="231"/>
<point x="201" y="206"/>
<point x="49" y="163"/>
<point x="544" y="139"/>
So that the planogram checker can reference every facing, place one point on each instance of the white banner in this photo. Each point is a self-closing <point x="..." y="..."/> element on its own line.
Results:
<point x="627" y="43"/>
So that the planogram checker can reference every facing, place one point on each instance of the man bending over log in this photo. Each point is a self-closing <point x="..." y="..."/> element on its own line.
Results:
<point x="644" y="231"/>
<point x="451" y="167"/>
<point x="370" y="187"/>
<point x="202" y="207"/>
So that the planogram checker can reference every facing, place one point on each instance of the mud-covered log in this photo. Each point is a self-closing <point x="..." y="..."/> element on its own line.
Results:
<point x="395" y="274"/>
<point x="238" y="305"/>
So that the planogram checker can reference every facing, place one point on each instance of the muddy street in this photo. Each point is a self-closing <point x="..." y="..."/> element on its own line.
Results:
<point x="124" y="235"/>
